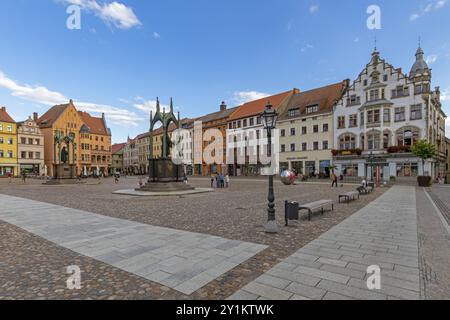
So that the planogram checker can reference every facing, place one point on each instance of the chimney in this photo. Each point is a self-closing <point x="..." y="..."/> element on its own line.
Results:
<point x="3" y="109"/>
<point x="296" y="91"/>
<point x="223" y="106"/>
<point x="35" y="116"/>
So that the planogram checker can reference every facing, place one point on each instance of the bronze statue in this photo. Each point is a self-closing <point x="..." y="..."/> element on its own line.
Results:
<point x="64" y="155"/>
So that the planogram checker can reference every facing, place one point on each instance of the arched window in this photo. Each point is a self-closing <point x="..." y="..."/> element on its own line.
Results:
<point x="408" y="136"/>
<point x="347" y="141"/>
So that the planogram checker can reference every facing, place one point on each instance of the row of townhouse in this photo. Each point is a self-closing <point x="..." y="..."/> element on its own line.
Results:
<point x="21" y="146"/>
<point x="29" y="146"/>
<point x="363" y="128"/>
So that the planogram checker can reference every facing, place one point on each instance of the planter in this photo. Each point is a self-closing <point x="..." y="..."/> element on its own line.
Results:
<point x="424" y="181"/>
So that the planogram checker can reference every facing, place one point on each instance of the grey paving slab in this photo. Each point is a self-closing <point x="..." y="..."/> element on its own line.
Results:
<point x="335" y="265"/>
<point x="181" y="260"/>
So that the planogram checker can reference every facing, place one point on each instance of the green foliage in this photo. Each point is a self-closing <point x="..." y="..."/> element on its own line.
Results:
<point x="424" y="150"/>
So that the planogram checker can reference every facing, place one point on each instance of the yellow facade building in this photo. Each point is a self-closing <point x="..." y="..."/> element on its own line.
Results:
<point x="8" y="145"/>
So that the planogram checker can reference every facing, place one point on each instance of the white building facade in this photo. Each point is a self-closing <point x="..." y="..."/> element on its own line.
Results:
<point x="384" y="113"/>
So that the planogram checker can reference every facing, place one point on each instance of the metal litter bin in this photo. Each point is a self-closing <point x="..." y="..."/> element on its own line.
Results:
<point x="291" y="211"/>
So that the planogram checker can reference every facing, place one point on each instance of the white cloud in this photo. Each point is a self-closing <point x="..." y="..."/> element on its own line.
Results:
<point x="445" y="95"/>
<point x="308" y="46"/>
<point x="314" y="8"/>
<point x="156" y="35"/>
<point x="44" y="96"/>
<point x="148" y="105"/>
<point x="414" y="17"/>
<point x="432" y="58"/>
<point x="432" y="5"/>
<point x="241" y="97"/>
<point x="115" y="13"/>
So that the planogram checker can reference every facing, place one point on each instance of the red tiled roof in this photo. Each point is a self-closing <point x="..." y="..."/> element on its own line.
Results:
<point x="256" y="107"/>
<point x="96" y="125"/>
<point x="48" y="119"/>
<point x="5" y="117"/>
<point x="324" y="97"/>
<point x="117" y="147"/>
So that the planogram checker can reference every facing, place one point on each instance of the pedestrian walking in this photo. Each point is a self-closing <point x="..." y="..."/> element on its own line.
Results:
<point x="227" y="181"/>
<point x="335" y="180"/>
<point x="212" y="181"/>
<point x="24" y="177"/>
<point x="10" y="177"/>
<point x="116" y="178"/>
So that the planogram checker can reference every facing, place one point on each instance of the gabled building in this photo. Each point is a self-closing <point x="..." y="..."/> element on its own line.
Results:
<point x="117" y="158"/>
<point x="306" y="130"/>
<point x="244" y="124"/>
<point x="8" y="145"/>
<point x="30" y="147"/>
<point x="100" y="144"/>
<point x="92" y="139"/>
<point x="385" y="112"/>
<point x="130" y="157"/>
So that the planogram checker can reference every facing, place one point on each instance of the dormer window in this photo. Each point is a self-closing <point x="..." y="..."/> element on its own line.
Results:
<point x="294" y="112"/>
<point x="312" y="109"/>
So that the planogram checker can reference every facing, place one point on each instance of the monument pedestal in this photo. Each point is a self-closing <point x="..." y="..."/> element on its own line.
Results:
<point x="64" y="174"/>
<point x="165" y="176"/>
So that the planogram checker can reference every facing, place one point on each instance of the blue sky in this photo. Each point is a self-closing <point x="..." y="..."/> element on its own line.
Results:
<point x="201" y="52"/>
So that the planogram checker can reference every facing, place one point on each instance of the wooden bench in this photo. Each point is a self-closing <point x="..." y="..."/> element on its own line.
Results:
<point x="321" y="204"/>
<point x="349" y="196"/>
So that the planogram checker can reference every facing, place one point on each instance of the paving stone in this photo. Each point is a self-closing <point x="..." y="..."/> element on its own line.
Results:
<point x="306" y="291"/>
<point x="267" y="291"/>
<point x="243" y="295"/>
<point x="322" y="274"/>
<point x="332" y="262"/>
<point x="272" y="281"/>
<point x="294" y="277"/>
<point x="350" y="291"/>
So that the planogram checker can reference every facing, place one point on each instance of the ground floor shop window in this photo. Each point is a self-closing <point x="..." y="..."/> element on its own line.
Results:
<point x="297" y="166"/>
<point x="407" y="170"/>
<point x="324" y="168"/>
<point x="350" y="170"/>
<point x="310" y="168"/>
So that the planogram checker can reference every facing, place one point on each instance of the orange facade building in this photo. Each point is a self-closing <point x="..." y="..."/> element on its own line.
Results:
<point x="92" y="139"/>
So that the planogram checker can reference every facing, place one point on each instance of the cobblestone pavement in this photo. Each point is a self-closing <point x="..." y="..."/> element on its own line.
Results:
<point x="237" y="213"/>
<point x="180" y="260"/>
<point x="334" y="266"/>
<point x="434" y="244"/>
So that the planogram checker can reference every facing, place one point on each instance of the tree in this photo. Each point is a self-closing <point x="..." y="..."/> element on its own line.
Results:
<point x="424" y="150"/>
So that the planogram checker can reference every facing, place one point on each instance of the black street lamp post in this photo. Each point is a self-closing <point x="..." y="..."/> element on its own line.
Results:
<point x="269" y="119"/>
